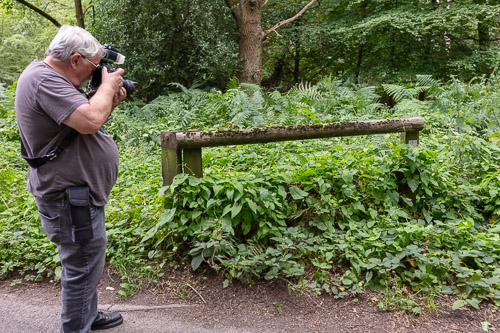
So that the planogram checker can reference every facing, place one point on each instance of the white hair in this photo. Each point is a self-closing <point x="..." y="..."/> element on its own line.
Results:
<point x="70" y="40"/>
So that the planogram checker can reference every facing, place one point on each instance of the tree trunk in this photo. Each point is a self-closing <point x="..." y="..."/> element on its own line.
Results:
<point x="361" y="45"/>
<point x="247" y="14"/>
<point x="359" y="61"/>
<point x="296" y="62"/>
<point x="80" y="21"/>
<point x="483" y="32"/>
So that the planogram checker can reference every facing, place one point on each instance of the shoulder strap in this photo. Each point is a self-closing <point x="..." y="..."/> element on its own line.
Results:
<point x="53" y="153"/>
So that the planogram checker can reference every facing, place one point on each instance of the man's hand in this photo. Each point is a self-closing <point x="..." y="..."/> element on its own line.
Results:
<point x="114" y="80"/>
<point x="119" y="97"/>
<point x="88" y="118"/>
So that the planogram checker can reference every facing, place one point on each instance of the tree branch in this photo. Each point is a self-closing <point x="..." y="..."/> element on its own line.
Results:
<point x="93" y="13"/>
<point x="232" y="5"/>
<point x="41" y="12"/>
<point x="80" y="17"/>
<point x="235" y="10"/>
<point x="267" y="32"/>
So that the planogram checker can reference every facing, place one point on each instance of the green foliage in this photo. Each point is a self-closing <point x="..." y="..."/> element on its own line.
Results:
<point x="178" y="41"/>
<point x="10" y="64"/>
<point x="25" y="35"/>
<point x="384" y="41"/>
<point x="333" y="215"/>
<point x="357" y="215"/>
<point x="331" y="211"/>
<point x="195" y="42"/>
<point x="23" y="245"/>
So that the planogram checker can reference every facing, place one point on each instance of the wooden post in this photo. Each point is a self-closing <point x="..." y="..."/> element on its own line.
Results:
<point x="196" y="139"/>
<point x="174" y="161"/>
<point x="171" y="158"/>
<point x="410" y="138"/>
<point x="193" y="162"/>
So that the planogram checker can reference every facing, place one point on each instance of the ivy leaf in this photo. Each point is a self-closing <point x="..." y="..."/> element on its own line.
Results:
<point x="210" y="203"/>
<point x="253" y="206"/>
<point x="474" y="302"/>
<point x="297" y="193"/>
<point x="488" y="259"/>
<point x="413" y="185"/>
<point x="195" y="214"/>
<point x="217" y="189"/>
<point x="226" y="210"/>
<point x="368" y="276"/>
<point x="196" y="261"/>
<point x="485" y="326"/>
<point x="239" y="187"/>
<point x="193" y="181"/>
<point x="359" y="206"/>
<point x="347" y="282"/>
<point x="417" y="310"/>
<point x="347" y="176"/>
<point x="458" y="304"/>
<point x="282" y="191"/>
<point x="246" y="226"/>
<point x="235" y="210"/>
<point x="166" y="217"/>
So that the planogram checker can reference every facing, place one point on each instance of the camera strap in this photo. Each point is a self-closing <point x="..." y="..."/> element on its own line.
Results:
<point x="53" y="153"/>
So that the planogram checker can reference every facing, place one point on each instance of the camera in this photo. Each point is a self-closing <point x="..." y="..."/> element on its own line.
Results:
<point x="109" y="55"/>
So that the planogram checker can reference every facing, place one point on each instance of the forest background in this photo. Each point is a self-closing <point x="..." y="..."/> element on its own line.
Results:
<point x="327" y="215"/>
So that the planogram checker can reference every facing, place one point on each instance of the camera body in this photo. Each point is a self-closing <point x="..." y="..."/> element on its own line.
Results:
<point x="109" y="55"/>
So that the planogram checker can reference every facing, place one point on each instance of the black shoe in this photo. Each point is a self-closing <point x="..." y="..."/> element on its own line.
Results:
<point x="106" y="320"/>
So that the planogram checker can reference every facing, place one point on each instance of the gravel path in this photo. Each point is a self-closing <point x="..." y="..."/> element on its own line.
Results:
<point x="190" y="303"/>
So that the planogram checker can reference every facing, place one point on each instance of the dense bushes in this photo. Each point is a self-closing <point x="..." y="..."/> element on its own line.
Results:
<point x="333" y="215"/>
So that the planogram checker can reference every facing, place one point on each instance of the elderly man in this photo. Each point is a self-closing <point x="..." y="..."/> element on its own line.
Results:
<point x="73" y="165"/>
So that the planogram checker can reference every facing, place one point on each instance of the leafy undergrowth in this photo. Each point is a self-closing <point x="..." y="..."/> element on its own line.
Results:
<point x="334" y="216"/>
<point x="345" y="221"/>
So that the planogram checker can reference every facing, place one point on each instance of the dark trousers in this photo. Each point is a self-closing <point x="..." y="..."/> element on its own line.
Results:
<point x="82" y="263"/>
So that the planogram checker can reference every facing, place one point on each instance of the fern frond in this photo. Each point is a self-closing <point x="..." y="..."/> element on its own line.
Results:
<point x="275" y="96"/>
<point x="233" y="83"/>
<point x="246" y="111"/>
<point x="400" y="93"/>
<point x="442" y="104"/>
<point x="329" y="85"/>
<point x="255" y="248"/>
<point x="368" y="94"/>
<point x="345" y="92"/>
<point x="180" y="86"/>
<point x="371" y="108"/>
<point x="427" y="81"/>
<point x="250" y="87"/>
<point x="308" y="90"/>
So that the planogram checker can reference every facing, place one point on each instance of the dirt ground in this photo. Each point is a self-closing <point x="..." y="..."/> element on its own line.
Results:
<point x="272" y="307"/>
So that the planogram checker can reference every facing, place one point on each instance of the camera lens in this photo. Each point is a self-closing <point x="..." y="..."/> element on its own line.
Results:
<point x="129" y="86"/>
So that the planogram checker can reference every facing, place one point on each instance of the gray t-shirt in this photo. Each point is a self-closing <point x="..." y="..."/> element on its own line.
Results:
<point x="44" y="99"/>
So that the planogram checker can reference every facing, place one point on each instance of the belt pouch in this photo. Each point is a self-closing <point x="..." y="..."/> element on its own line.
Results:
<point x="79" y="205"/>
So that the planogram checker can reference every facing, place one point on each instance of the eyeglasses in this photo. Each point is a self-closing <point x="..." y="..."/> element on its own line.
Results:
<point x="91" y="62"/>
